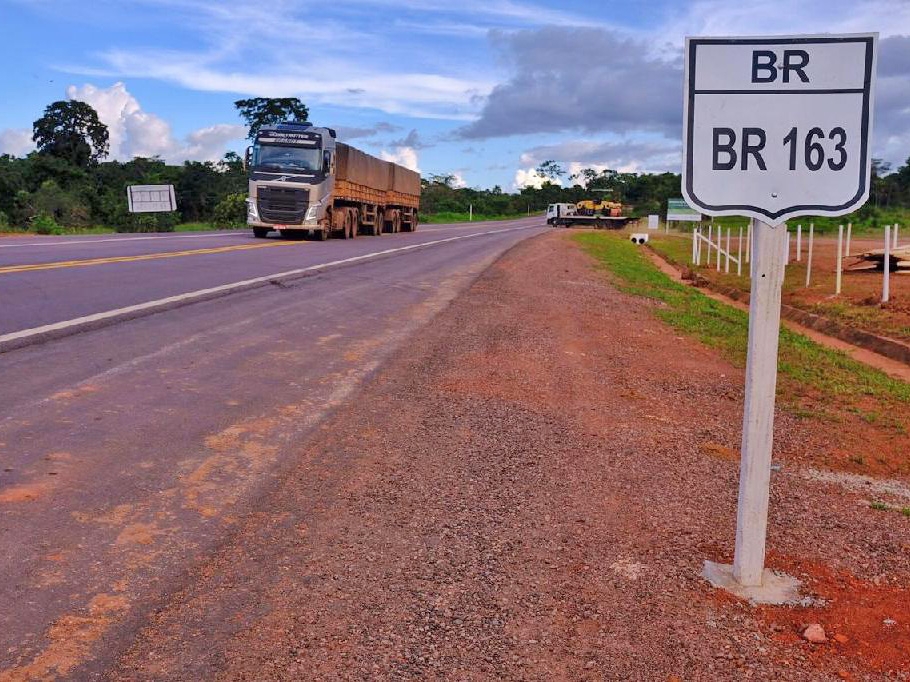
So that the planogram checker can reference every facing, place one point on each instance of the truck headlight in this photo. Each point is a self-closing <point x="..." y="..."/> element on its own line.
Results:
<point x="311" y="212"/>
<point x="252" y="213"/>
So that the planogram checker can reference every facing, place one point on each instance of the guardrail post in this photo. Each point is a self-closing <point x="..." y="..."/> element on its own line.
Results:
<point x="886" y="283"/>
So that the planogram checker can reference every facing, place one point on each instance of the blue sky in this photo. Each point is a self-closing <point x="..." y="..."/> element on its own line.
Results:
<point x="484" y="89"/>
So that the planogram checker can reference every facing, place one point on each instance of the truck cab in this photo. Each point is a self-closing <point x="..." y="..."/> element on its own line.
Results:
<point x="291" y="177"/>
<point x="555" y="211"/>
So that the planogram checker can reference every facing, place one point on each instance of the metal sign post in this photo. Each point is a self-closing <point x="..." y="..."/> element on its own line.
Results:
<point x="774" y="128"/>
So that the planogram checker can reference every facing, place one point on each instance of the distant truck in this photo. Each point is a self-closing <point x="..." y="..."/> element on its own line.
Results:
<point x="303" y="181"/>
<point x="595" y="213"/>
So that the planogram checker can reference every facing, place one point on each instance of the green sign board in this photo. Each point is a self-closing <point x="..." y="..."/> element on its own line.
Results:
<point x="678" y="209"/>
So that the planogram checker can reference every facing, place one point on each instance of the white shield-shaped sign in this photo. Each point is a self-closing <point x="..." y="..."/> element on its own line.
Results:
<point x="778" y="127"/>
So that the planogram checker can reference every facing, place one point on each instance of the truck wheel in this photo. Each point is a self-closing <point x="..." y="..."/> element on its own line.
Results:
<point x="396" y="223"/>
<point x="260" y="232"/>
<point x="377" y="224"/>
<point x="414" y="222"/>
<point x="350" y="225"/>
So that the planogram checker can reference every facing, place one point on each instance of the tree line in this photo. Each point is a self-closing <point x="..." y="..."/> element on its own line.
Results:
<point x="67" y="182"/>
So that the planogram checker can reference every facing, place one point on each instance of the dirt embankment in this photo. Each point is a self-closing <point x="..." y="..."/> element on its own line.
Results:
<point x="529" y="492"/>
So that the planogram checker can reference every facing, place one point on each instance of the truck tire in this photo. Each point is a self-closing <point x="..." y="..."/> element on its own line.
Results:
<point x="260" y="232"/>
<point x="378" y="224"/>
<point x="350" y="225"/>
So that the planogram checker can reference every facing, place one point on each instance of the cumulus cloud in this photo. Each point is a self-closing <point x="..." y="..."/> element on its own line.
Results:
<point x="458" y="181"/>
<point x="403" y="156"/>
<point x="600" y="81"/>
<point x="580" y="79"/>
<point x="353" y="132"/>
<point x="16" y="141"/>
<point x="627" y="156"/>
<point x="134" y="132"/>
<point x="528" y="177"/>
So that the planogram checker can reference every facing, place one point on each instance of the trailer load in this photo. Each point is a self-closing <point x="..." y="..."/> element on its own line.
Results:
<point x="595" y="213"/>
<point x="302" y="181"/>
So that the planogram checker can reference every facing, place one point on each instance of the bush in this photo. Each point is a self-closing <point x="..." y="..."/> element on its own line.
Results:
<point x="231" y="211"/>
<point x="4" y="221"/>
<point x="45" y="224"/>
<point x="150" y="222"/>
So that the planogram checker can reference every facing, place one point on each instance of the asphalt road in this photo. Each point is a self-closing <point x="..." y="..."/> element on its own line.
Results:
<point x="128" y="452"/>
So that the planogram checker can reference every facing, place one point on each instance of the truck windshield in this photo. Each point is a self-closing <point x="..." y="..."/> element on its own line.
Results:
<point x="286" y="157"/>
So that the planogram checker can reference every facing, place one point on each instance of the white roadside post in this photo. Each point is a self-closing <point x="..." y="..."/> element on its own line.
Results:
<point x="840" y="259"/>
<point x="710" y="243"/>
<point x="849" y="236"/>
<point x="758" y="420"/>
<point x="896" y="228"/>
<point x="727" y="260"/>
<point x="809" y="257"/>
<point x="886" y="267"/>
<point x="799" y="243"/>
<point x="787" y="250"/>
<point x="739" y="254"/>
<point x="720" y="245"/>
<point x="749" y="242"/>
<point x="774" y="128"/>
<point x="470" y="213"/>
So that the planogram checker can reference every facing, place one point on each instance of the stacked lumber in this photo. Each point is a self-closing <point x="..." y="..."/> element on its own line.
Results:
<point x="875" y="260"/>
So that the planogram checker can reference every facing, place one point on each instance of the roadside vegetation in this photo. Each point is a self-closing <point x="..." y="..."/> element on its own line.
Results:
<point x="858" y="305"/>
<point x="67" y="185"/>
<point x="814" y="381"/>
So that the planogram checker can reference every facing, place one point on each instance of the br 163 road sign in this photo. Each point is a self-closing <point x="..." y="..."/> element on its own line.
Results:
<point x="778" y="127"/>
<point x="151" y="198"/>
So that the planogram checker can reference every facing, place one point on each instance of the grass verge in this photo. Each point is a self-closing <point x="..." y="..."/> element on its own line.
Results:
<point x="860" y="315"/>
<point x="451" y="217"/>
<point x="805" y="368"/>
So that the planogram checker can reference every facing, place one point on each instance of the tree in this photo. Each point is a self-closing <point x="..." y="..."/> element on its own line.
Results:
<point x="264" y="111"/>
<point x="550" y="169"/>
<point x="71" y="130"/>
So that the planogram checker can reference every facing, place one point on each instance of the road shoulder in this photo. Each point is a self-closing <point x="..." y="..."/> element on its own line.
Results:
<point x="528" y="492"/>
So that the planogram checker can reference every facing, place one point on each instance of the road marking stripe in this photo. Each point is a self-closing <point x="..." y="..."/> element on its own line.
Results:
<point x="28" y="267"/>
<point x="201" y="294"/>
<point x="67" y="242"/>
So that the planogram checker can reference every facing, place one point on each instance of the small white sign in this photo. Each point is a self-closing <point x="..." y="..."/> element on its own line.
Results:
<point x="151" y="198"/>
<point x="653" y="222"/>
<point x="778" y="127"/>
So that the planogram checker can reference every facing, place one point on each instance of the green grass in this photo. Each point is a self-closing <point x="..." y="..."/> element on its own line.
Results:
<point x="880" y="506"/>
<point x="452" y="217"/>
<point x="801" y="362"/>
<point x="678" y="250"/>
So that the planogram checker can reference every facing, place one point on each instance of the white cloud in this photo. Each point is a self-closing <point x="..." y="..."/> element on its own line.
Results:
<point x="458" y="181"/>
<point x="16" y="141"/>
<point x="134" y="132"/>
<point x="528" y="177"/>
<point x="403" y="156"/>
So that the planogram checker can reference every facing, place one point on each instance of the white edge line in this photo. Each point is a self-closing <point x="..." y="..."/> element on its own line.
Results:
<point x="225" y="288"/>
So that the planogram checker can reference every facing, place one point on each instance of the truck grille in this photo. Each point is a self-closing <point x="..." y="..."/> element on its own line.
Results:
<point x="282" y="205"/>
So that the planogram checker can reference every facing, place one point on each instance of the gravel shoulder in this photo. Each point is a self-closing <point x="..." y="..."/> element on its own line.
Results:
<point x="528" y="491"/>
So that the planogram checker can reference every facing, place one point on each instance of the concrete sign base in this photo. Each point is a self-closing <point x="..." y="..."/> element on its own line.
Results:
<point x="775" y="588"/>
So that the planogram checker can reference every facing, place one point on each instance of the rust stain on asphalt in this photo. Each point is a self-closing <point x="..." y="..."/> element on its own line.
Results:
<point x="71" y="639"/>
<point x="137" y="534"/>
<point x="26" y="492"/>
<point x="75" y="392"/>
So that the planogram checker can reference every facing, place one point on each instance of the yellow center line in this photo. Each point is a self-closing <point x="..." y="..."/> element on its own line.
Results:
<point x="129" y="259"/>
